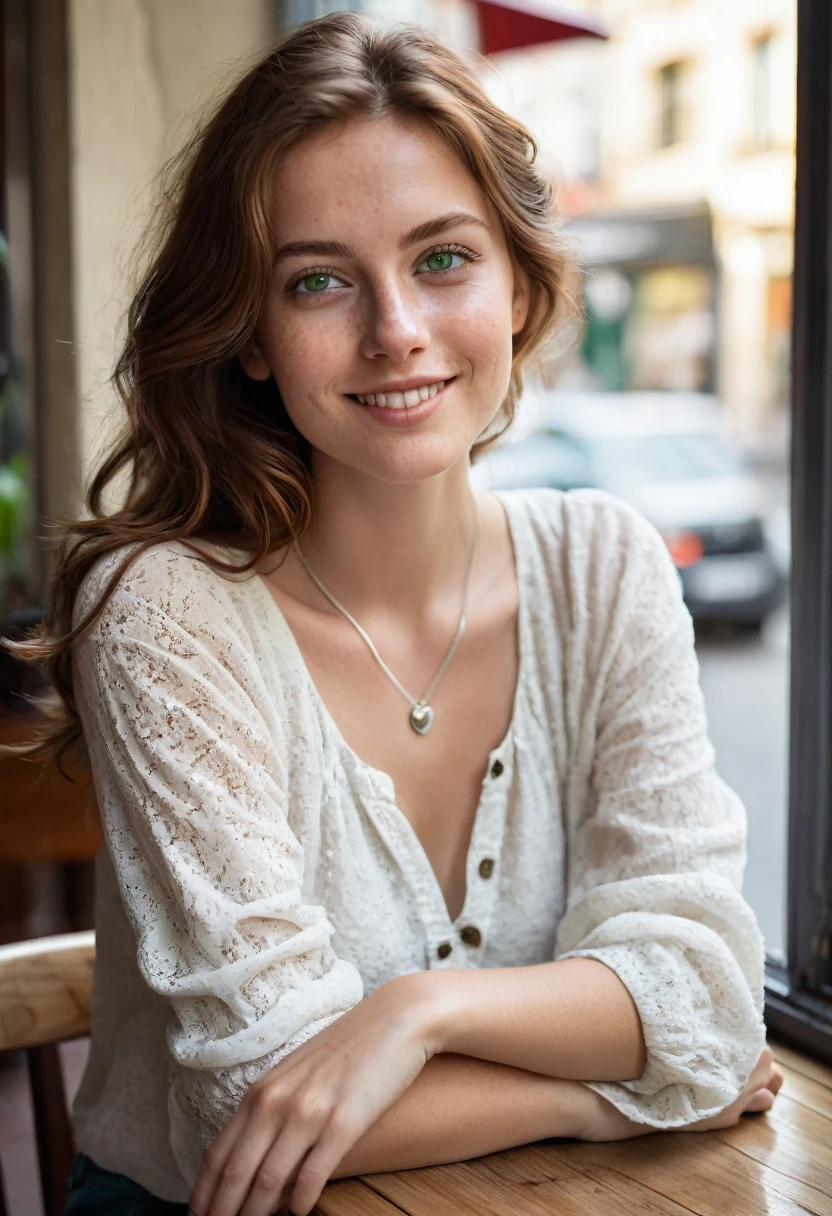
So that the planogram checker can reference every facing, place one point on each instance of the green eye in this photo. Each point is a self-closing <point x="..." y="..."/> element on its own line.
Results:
<point x="442" y="260"/>
<point x="315" y="282"/>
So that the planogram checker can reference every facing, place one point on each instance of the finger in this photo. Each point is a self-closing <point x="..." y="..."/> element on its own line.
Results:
<point x="213" y="1162"/>
<point x="759" y="1078"/>
<point x="317" y="1168"/>
<point x="760" y="1101"/>
<point x="243" y="1163"/>
<point x="275" y="1177"/>
<point x="761" y="1071"/>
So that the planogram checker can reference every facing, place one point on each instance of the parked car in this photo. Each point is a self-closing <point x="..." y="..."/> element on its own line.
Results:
<point x="664" y="454"/>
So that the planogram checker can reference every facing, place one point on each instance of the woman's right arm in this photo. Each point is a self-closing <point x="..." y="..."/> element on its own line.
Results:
<point x="191" y="778"/>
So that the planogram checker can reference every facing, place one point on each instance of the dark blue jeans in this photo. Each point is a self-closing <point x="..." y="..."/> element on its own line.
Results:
<point x="97" y="1192"/>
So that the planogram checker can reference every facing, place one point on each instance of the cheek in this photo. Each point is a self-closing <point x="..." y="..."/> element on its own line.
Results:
<point x="478" y="323"/>
<point x="308" y="349"/>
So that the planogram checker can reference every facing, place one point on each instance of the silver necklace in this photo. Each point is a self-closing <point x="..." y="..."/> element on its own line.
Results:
<point x="421" y="714"/>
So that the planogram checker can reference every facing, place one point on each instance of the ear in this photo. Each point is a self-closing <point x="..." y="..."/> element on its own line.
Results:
<point x="520" y="299"/>
<point x="253" y="361"/>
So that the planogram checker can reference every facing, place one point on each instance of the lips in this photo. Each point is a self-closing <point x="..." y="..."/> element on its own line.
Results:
<point x="402" y="400"/>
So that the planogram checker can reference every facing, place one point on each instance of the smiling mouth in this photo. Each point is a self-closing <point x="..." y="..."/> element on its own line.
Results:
<point x="400" y="401"/>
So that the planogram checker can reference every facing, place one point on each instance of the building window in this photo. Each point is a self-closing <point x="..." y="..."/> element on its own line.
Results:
<point x="761" y="99"/>
<point x="586" y="121"/>
<point x="672" y="120"/>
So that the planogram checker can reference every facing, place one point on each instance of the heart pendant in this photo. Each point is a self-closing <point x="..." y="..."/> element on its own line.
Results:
<point x="421" y="718"/>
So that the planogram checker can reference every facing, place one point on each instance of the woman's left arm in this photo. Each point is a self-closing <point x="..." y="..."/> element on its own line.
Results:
<point x="656" y="999"/>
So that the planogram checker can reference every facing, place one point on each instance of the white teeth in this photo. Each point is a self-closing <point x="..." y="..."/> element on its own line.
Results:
<point x="398" y="401"/>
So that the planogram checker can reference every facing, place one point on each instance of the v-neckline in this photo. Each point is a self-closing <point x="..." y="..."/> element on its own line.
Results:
<point x="381" y="780"/>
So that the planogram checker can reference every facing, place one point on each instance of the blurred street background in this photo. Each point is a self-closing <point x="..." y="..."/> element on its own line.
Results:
<point x="667" y="128"/>
<point x="671" y="141"/>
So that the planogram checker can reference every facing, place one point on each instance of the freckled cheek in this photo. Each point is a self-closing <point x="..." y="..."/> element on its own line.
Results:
<point x="311" y="353"/>
<point x="479" y="319"/>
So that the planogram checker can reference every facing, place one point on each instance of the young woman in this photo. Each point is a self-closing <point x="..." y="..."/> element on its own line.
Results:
<point x="415" y="847"/>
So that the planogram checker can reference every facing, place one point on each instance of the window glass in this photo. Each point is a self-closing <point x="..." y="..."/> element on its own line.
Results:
<point x="671" y="102"/>
<point x="675" y="389"/>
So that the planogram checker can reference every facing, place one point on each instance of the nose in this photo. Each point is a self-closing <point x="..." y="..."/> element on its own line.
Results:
<point x="395" y="325"/>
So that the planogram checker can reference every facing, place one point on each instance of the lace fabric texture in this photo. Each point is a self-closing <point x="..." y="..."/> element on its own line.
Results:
<point x="258" y="878"/>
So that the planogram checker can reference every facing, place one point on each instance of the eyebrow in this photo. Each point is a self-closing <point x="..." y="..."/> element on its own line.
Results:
<point x="422" y="232"/>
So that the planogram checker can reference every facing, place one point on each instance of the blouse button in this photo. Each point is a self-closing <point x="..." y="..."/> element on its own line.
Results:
<point x="471" y="935"/>
<point x="497" y="768"/>
<point x="486" y="867"/>
<point x="444" y="950"/>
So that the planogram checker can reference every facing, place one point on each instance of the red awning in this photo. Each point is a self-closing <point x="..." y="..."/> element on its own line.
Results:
<point x="509" y="24"/>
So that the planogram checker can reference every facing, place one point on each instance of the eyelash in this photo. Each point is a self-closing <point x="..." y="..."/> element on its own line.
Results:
<point x="462" y="250"/>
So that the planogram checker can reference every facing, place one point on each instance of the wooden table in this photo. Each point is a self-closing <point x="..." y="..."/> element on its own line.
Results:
<point x="778" y="1163"/>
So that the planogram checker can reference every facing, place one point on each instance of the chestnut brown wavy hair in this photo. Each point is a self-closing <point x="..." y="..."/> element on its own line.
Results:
<point x="208" y="452"/>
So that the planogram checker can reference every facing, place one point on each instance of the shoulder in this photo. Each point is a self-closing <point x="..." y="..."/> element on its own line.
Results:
<point x="592" y="556"/>
<point x="172" y="622"/>
<point x="166" y="580"/>
<point x="583" y="525"/>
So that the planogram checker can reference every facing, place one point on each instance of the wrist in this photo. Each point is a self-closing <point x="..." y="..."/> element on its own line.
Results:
<point x="581" y="1107"/>
<point x="425" y="997"/>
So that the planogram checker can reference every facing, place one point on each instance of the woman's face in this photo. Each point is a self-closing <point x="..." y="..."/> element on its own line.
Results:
<point x="392" y="278"/>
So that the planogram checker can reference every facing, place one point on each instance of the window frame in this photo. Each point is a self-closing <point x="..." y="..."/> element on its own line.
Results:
<point x="798" y="999"/>
<point x="18" y="335"/>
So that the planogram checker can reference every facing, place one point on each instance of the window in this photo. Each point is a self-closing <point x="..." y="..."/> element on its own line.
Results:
<point x="762" y="106"/>
<point x="690" y="288"/>
<point x="585" y="122"/>
<point x="672" y="116"/>
<point x="799" y="994"/>
<point x="17" y="554"/>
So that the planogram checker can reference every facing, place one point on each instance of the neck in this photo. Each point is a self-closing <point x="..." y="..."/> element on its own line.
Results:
<point x="403" y="547"/>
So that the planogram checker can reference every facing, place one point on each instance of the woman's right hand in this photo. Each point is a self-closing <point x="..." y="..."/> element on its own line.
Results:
<point x="604" y="1122"/>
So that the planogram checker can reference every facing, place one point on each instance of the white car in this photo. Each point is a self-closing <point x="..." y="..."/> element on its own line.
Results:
<point x="664" y="454"/>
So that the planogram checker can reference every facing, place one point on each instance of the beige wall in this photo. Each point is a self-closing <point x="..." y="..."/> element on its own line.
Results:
<point x="137" y="68"/>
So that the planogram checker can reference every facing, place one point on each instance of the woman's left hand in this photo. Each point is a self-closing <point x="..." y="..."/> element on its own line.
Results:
<point x="604" y="1121"/>
<point x="296" y="1123"/>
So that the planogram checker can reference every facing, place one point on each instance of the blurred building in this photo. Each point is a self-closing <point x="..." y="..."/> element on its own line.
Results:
<point x="674" y="144"/>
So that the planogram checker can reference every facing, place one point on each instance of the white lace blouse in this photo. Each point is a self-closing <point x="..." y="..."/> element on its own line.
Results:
<point x="259" y="878"/>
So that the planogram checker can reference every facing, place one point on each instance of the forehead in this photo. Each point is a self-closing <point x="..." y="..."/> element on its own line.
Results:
<point x="378" y="176"/>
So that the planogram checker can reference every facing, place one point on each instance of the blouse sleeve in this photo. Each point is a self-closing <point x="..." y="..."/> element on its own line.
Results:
<point x="192" y="788"/>
<point x="657" y="848"/>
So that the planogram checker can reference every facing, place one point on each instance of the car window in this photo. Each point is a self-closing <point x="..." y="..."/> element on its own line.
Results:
<point x="543" y="459"/>
<point x="685" y="456"/>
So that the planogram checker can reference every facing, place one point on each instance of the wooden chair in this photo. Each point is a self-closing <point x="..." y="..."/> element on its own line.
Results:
<point x="45" y="993"/>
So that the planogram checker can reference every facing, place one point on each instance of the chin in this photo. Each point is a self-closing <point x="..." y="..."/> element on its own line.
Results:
<point x="407" y="463"/>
